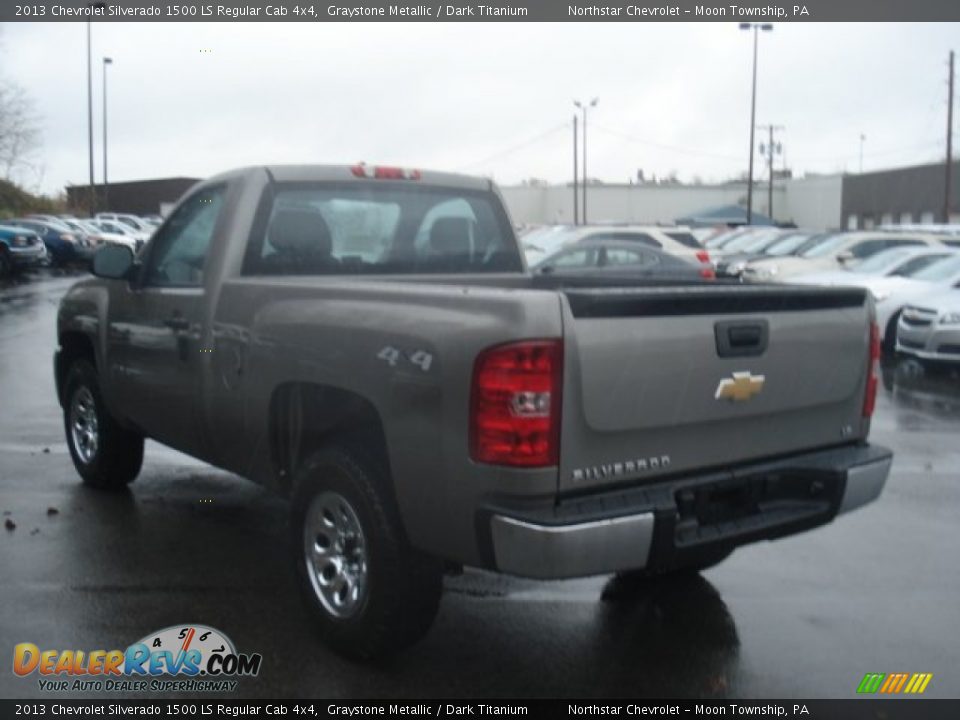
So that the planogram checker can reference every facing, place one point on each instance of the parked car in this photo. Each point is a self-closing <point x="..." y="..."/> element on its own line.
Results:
<point x="20" y="249"/>
<point x="99" y="235"/>
<point x="132" y="221"/>
<point x="734" y="257"/>
<point x="902" y="261"/>
<point x="371" y="345"/>
<point x="115" y="227"/>
<point x="929" y="327"/>
<point x="892" y="294"/>
<point x="63" y="245"/>
<point x="832" y="252"/>
<point x="540" y="243"/>
<point x="621" y="257"/>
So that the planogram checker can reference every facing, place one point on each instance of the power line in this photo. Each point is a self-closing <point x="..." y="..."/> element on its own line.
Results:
<point x="515" y="148"/>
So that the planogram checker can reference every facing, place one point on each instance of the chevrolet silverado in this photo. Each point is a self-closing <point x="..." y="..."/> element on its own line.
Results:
<point x="368" y="342"/>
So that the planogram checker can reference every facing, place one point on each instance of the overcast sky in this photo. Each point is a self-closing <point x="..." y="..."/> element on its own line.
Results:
<point x="492" y="99"/>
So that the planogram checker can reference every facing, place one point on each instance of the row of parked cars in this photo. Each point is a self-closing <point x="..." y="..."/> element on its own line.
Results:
<point x="36" y="240"/>
<point x="912" y="272"/>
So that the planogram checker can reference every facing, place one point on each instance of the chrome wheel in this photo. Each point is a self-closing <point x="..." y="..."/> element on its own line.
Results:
<point x="84" y="425"/>
<point x="335" y="552"/>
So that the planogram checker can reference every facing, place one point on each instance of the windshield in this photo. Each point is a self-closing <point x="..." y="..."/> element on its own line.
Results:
<point x="940" y="271"/>
<point x="881" y="261"/>
<point x="357" y="228"/>
<point x="789" y="245"/>
<point x="548" y="240"/>
<point x="826" y="246"/>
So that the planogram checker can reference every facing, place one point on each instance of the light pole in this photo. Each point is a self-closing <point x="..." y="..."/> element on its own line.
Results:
<point x="862" y="138"/>
<point x="92" y="197"/>
<point x="756" y="27"/>
<point x="583" y="108"/>
<point x="106" y="186"/>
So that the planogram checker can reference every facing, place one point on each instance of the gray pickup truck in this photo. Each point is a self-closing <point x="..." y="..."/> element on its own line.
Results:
<point x="367" y="341"/>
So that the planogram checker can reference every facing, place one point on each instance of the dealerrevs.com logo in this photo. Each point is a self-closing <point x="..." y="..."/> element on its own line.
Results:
<point x="180" y="658"/>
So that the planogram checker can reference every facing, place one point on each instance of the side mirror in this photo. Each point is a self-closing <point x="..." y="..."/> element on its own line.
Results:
<point x="113" y="262"/>
<point x="545" y="269"/>
<point x="844" y="257"/>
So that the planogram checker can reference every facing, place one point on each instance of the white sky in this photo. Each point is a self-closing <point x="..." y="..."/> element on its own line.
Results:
<point x="493" y="99"/>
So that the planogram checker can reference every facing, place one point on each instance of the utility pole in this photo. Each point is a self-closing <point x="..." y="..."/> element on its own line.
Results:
<point x="862" y="138"/>
<point x="772" y="148"/>
<point x="949" y="169"/>
<point x="576" y="198"/>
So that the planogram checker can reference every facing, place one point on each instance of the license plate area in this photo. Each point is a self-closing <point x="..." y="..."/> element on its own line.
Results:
<point x="734" y="507"/>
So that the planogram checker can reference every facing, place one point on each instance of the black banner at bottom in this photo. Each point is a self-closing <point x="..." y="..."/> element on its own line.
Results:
<point x="855" y="709"/>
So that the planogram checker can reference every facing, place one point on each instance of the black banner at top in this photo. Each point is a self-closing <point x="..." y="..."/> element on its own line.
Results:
<point x="487" y="11"/>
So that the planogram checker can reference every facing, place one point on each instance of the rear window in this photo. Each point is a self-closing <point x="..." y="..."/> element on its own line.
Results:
<point x="380" y="228"/>
<point x="939" y="271"/>
<point x="685" y="238"/>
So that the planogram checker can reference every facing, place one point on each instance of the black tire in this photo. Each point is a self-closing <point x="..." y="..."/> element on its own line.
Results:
<point x="705" y="562"/>
<point x="402" y="587"/>
<point x="889" y="340"/>
<point x="6" y="265"/>
<point x="118" y="453"/>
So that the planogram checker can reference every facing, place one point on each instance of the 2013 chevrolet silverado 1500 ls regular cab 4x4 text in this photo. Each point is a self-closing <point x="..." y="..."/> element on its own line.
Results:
<point x="367" y="341"/>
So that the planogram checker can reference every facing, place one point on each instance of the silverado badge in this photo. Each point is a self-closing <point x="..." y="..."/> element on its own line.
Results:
<point x="743" y="386"/>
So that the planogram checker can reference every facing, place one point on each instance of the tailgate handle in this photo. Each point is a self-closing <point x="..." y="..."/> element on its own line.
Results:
<point x="736" y="338"/>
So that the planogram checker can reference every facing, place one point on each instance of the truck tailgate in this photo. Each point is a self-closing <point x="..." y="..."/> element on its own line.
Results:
<point x="668" y="380"/>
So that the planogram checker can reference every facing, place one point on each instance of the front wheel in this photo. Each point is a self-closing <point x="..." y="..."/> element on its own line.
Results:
<point x="369" y="593"/>
<point x="106" y="455"/>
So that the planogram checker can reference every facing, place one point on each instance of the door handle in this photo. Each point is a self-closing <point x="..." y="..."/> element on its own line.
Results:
<point x="737" y="338"/>
<point x="177" y="322"/>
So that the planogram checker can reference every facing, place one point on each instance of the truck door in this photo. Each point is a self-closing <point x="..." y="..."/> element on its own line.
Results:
<point x="157" y="329"/>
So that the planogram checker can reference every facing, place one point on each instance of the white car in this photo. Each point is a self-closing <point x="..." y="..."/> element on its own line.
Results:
<point x="118" y="228"/>
<point x="899" y="261"/>
<point x="929" y="327"/>
<point x="134" y="222"/>
<point x="93" y="230"/>
<point x="833" y="252"/>
<point x="892" y="294"/>
<point x="672" y="239"/>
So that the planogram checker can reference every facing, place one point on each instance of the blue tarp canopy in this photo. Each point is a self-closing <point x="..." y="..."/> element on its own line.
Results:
<point x="725" y="215"/>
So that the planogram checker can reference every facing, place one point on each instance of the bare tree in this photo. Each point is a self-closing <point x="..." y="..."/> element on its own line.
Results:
<point x="19" y="130"/>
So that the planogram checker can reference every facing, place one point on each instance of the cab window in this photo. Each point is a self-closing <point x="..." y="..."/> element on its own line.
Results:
<point x="179" y="253"/>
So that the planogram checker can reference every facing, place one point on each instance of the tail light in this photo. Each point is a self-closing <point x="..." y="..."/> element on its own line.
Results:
<point x="703" y="256"/>
<point x="873" y="372"/>
<point x="708" y="274"/>
<point x="515" y="404"/>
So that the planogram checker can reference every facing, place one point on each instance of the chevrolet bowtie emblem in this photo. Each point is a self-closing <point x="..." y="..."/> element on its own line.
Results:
<point x="741" y="387"/>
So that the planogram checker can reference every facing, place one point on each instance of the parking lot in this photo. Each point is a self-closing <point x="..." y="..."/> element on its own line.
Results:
<point x="802" y="617"/>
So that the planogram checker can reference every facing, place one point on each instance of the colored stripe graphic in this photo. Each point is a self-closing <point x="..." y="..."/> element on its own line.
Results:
<point x="894" y="683"/>
<point x="870" y="683"/>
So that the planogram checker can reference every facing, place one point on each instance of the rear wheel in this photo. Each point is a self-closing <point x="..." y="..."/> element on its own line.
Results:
<point x="645" y="575"/>
<point x="369" y="593"/>
<point x="105" y="454"/>
<point x="6" y="265"/>
<point x="890" y="333"/>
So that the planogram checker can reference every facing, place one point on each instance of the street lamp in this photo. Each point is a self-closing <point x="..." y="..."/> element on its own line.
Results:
<point x="91" y="199"/>
<point x="583" y="108"/>
<point x="106" y="186"/>
<point x="756" y="27"/>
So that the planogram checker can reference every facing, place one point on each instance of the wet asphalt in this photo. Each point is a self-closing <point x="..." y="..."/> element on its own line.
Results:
<point x="803" y="617"/>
